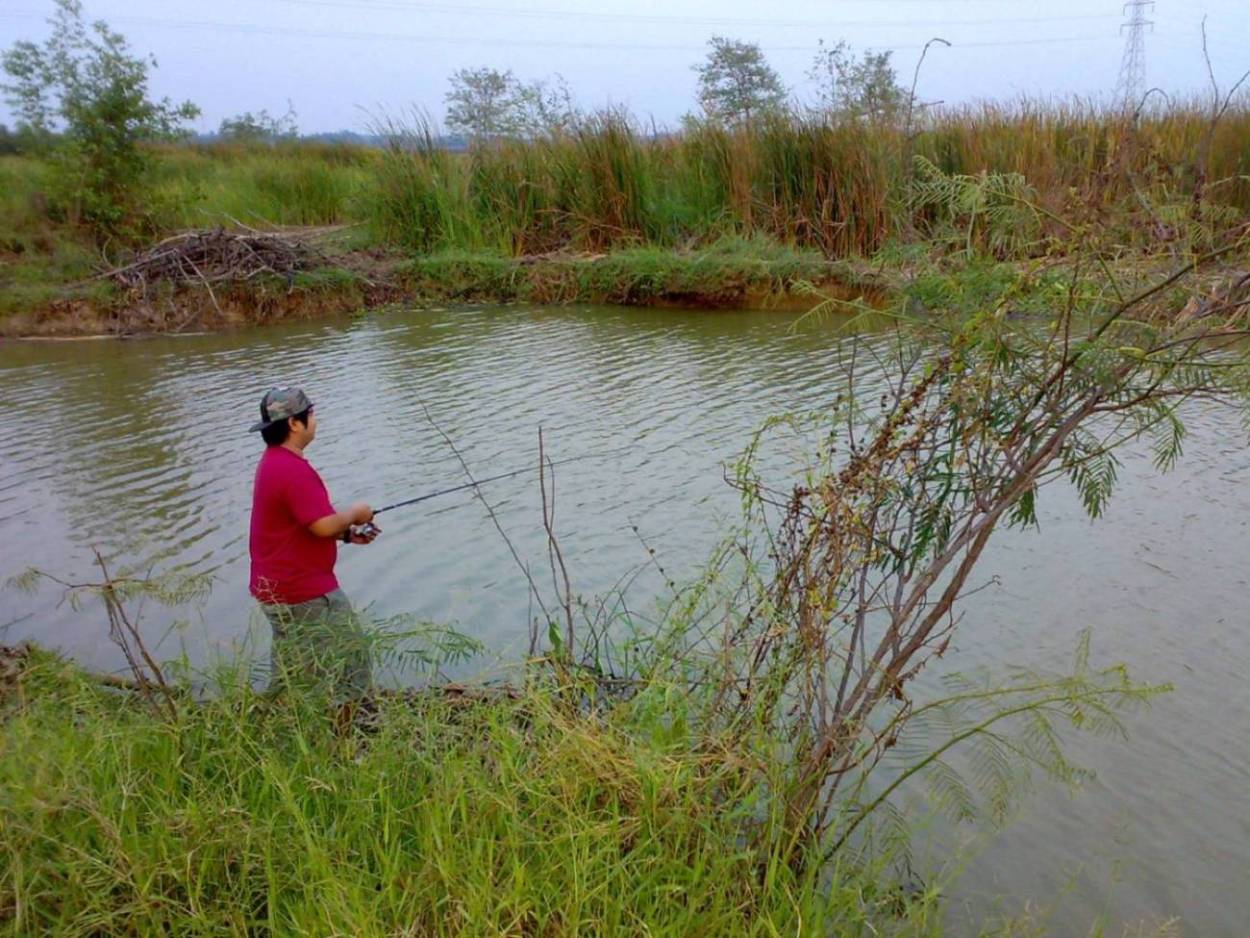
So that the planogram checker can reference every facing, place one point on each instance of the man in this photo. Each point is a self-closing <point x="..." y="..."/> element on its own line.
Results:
<point x="294" y="536"/>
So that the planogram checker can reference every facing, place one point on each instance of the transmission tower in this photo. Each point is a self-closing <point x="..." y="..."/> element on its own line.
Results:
<point x="1133" y="66"/>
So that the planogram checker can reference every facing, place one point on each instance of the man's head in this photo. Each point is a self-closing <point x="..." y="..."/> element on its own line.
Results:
<point x="286" y="416"/>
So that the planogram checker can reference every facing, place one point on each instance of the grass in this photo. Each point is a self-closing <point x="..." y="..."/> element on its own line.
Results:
<point x="704" y="216"/>
<point x="799" y="180"/>
<point x="39" y="258"/>
<point x="731" y="272"/>
<point x="238" y="816"/>
<point x="284" y="185"/>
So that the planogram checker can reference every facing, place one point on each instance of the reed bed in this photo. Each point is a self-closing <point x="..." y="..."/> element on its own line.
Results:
<point x="802" y="180"/>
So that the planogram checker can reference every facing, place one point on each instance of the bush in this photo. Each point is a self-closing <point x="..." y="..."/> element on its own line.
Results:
<point x="84" y="83"/>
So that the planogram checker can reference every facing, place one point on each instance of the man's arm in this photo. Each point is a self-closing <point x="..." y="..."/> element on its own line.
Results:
<point x="334" y="525"/>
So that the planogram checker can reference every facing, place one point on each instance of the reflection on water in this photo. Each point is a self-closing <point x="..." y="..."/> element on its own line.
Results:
<point x="142" y="447"/>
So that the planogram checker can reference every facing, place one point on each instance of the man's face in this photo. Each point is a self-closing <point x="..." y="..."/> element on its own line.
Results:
<point x="305" y="431"/>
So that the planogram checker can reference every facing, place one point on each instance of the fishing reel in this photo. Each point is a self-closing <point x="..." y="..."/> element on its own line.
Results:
<point x="368" y="529"/>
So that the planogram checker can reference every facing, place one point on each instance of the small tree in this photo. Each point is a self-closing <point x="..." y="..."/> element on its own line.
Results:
<point x="864" y="87"/>
<point x="736" y="83"/>
<point x="485" y="102"/>
<point x="84" y="85"/>
<point x="261" y="127"/>
<point x="549" y="106"/>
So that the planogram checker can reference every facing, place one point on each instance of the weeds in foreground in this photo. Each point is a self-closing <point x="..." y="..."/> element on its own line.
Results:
<point x="241" y="816"/>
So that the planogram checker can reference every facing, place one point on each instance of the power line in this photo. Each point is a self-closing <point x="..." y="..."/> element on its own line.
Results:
<point x="258" y="29"/>
<point x="536" y="13"/>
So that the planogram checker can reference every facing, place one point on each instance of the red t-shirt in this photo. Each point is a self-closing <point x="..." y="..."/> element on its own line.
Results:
<point x="290" y="564"/>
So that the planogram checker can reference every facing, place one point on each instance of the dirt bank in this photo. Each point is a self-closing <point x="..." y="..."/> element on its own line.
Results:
<point x="361" y="280"/>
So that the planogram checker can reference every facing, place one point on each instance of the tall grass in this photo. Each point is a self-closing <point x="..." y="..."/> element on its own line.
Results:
<point x="259" y="185"/>
<point x="806" y="181"/>
<point x="515" y="817"/>
<point x="803" y="180"/>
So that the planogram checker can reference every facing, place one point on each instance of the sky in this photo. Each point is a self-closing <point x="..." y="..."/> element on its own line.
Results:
<point x="342" y="62"/>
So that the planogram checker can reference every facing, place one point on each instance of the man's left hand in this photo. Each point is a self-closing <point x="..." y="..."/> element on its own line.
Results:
<point x="364" y="534"/>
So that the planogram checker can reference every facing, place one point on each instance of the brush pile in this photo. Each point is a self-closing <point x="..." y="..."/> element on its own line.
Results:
<point x="217" y="256"/>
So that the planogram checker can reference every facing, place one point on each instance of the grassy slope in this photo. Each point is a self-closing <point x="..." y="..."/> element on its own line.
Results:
<point x="237" y="817"/>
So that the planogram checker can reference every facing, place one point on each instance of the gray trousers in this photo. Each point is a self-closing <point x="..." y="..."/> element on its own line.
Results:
<point x="319" y="645"/>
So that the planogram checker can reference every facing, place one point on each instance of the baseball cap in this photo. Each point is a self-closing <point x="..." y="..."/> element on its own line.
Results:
<point x="280" y="403"/>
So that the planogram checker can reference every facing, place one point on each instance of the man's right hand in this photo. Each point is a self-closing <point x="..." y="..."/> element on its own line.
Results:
<point x="340" y="522"/>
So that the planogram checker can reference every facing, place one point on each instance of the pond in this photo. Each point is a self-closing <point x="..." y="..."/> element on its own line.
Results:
<point x="141" y="448"/>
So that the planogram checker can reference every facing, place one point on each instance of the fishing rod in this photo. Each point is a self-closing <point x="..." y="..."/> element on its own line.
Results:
<point x="503" y="475"/>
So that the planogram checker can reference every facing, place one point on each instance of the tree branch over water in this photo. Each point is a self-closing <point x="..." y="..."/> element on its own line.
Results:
<point x="850" y="582"/>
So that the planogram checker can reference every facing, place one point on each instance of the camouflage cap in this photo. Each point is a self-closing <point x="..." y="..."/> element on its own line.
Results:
<point x="279" y="404"/>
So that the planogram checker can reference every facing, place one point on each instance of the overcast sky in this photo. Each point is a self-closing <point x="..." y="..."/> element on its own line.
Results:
<point x="338" y="60"/>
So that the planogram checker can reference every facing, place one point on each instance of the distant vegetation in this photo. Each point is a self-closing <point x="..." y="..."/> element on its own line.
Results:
<point x="261" y="127"/>
<point x="838" y="185"/>
<point x="862" y="167"/>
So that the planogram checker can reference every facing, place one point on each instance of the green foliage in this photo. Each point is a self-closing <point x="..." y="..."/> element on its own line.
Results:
<point x="419" y="200"/>
<point x="10" y="141"/>
<point x="863" y="88"/>
<point x="730" y="272"/>
<point x="988" y="182"/>
<point x="287" y="184"/>
<point x="243" y="816"/>
<point x="736" y="83"/>
<point x="977" y="747"/>
<point x="485" y="103"/>
<point x="261" y="127"/>
<point x="84" y="83"/>
<point x="992" y="183"/>
<point x="990" y="213"/>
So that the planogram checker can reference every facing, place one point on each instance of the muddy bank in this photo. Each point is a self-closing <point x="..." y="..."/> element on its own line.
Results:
<point x="364" y="280"/>
<point x="184" y="308"/>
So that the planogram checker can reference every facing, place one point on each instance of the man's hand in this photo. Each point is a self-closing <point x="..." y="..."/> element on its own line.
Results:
<point x="364" y="534"/>
<point x="360" y="513"/>
<point x="339" y="524"/>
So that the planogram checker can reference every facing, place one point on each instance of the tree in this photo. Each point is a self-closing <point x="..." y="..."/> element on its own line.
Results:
<point x="736" y="83"/>
<point x="261" y="127"/>
<point x="864" y="87"/>
<point x="549" y="106"/>
<point x="8" y="141"/>
<point x="84" y="84"/>
<point x="485" y="102"/>
<point x="482" y="102"/>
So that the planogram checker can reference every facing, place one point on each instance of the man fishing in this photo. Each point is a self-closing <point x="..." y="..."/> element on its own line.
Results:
<point x="293" y="544"/>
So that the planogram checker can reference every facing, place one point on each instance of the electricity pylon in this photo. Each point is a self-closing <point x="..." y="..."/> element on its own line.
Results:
<point x="1133" y="66"/>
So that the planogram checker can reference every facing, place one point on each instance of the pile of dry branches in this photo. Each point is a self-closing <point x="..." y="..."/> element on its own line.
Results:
<point x="216" y="255"/>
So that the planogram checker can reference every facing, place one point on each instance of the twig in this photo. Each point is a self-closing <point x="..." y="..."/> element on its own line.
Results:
<point x="490" y="511"/>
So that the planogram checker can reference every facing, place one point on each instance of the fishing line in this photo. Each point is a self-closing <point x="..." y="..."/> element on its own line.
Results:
<point x="503" y="475"/>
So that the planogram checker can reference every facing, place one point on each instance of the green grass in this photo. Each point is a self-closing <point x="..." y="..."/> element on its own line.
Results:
<point x="787" y="192"/>
<point x="730" y="272"/>
<point x="39" y="256"/>
<point x="802" y="181"/>
<point x="238" y="816"/>
<point x="259" y="186"/>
